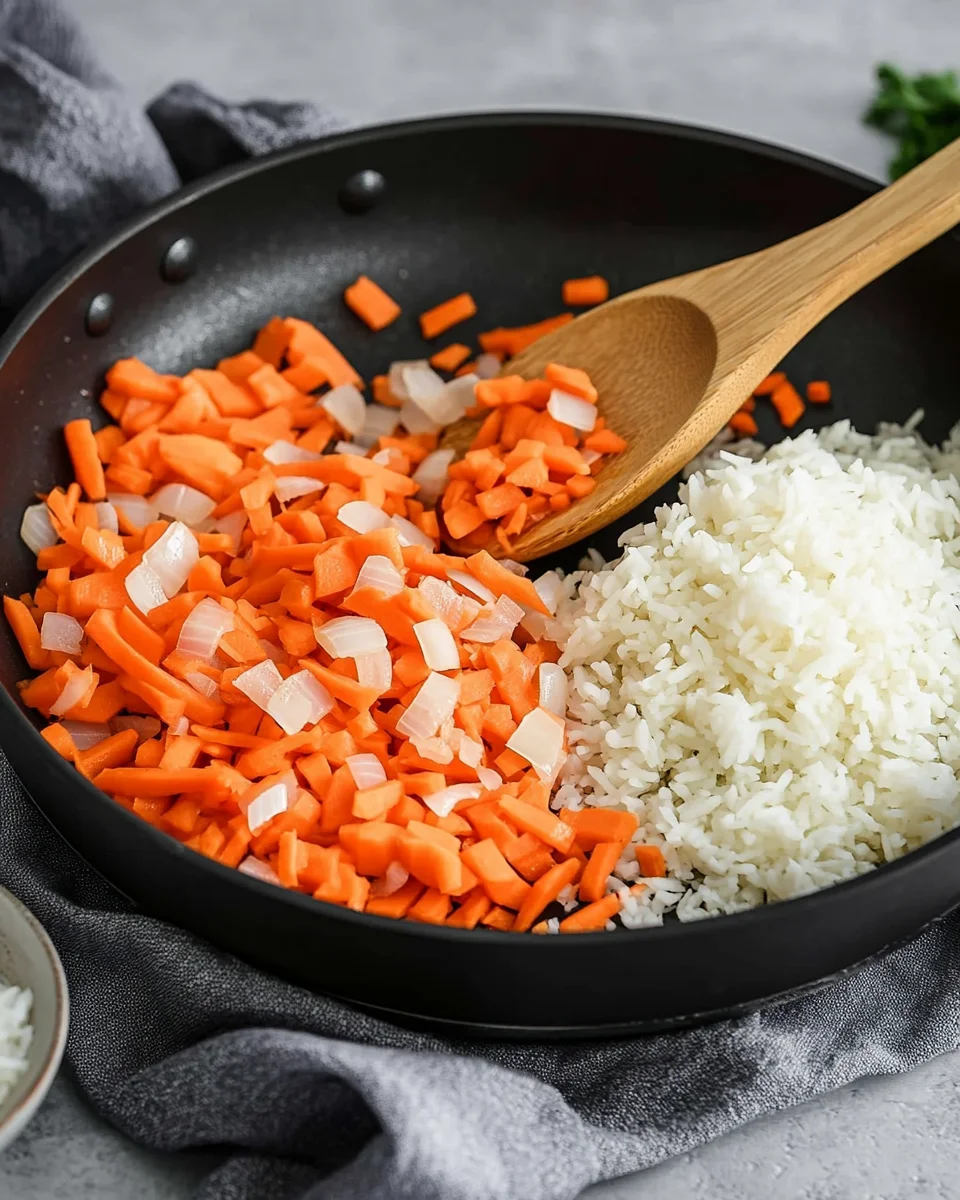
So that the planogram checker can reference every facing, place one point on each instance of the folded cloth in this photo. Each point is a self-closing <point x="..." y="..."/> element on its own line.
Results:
<point x="179" y="1045"/>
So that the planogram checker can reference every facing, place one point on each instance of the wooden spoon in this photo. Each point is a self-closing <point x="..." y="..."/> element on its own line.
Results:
<point x="673" y="361"/>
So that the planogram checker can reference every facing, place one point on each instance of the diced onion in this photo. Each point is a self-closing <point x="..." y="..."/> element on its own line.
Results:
<point x="440" y="402"/>
<point x="487" y="366"/>
<point x="144" y="588"/>
<point x="346" y="405"/>
<point x="392" y="880"/>
<point x="259" y="683"/>
<point x="420" y="383"/>
<point x="549" y="587"/>
<point x="467" y="581"/>
<point x="292" y="487"/>
<point x="287" y="452"/>
<point x="432" y="474"/>
<point x="489" y="778"/>
<point x="366" y="769"/>
<point x="182" y="503"/>
<point x="62" y="633"/>
<point x="146" y="727"/>
<point x="409" y="534"/>
<point x="395" y="377"/>
<point x="572" y="411"/>
<point x="172" y="557"/>
<point x="347" y="637"/>
<point x="379" y="572"/>
<point x="179" y="728"/>
<point x="590" y="456"/>
<point x="383" y="458"/>
<point x="515" y="568"/>
<point x="233" y="525"/>
<point x="72" y="693"/>
<point x="439" y="650"/>
<point x="201" y="632"/>
<point x="494" y="624"/>
<point x="362" y="517"/>
<point x="375" y="671"/>
<point x="36" y="528"/>
<point x="445" y="602"/>
<point x="434" y="748"/>
<point x="416" y="421"/>
<point x="106" y="516"/>
<point x="445" y="801"/>
<point x="349" y="448"/>
<point x="266" y="806"/>
<point x="298" y="702"/>
<point x="539" y="739"/>
<point x="259" y="870"/>
<point x="432" y="705"/>
<point x="379" y="421"/>
<point x="85" y="734"/>
<point x="458" y="395"/>
<point x="137" y="510"/>
<point x="553" y="689"/>
<point x="201" y="683"/>
<point x="469" y="752"/>
<point x="274" y="653"/>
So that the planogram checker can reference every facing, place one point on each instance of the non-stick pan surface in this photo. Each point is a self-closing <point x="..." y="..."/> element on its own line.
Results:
<point x="506" y="206"/>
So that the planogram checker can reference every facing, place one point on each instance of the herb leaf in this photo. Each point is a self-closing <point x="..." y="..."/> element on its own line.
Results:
<point x="922" y="112"/>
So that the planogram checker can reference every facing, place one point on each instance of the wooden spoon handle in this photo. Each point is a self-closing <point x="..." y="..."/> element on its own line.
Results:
<point x="786" y="290"/>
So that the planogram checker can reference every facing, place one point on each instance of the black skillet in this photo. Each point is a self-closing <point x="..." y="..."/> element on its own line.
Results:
<point x="507" y="206"/>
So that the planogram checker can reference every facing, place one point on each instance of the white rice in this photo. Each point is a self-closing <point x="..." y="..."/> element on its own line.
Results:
<point x="16" y="1033"/>
<point x="770" y="675"/>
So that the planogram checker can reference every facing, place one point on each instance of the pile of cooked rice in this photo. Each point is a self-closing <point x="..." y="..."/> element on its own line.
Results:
<point x="770" y="674"/>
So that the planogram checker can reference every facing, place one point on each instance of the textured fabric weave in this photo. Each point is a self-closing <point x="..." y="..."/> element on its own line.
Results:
<point x="179" y="1045"/>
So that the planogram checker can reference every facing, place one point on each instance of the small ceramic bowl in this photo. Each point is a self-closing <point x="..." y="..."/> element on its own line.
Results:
<point x="28" y="959"/>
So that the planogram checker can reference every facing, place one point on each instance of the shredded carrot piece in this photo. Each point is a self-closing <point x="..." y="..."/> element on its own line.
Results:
<point x="767" y="386"/>
<point x="283" y="567"/>
<point x="786" y="400"/>
<point x="450" y="357"/>
<point x="819" y="392"/>
<point x="743" y="424"/>
<point x="444" y="316"/>
<point x="371" y="303"/>
<point x="579" y="293"/>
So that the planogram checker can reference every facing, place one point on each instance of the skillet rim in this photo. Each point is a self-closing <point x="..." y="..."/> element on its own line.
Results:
<point x="805" y="906"/>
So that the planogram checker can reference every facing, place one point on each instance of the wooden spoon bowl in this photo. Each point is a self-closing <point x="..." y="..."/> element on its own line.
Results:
<point x="673" y="361"/>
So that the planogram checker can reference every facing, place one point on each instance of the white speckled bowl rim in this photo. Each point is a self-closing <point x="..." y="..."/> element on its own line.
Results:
<point x="28" y="959"/>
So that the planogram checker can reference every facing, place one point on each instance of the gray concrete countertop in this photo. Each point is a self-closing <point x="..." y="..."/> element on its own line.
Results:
<point x="791" y="71"/>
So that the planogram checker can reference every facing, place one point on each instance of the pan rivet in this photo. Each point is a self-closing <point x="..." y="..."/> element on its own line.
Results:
<point x="99" y="314"/>
<point x="362" y="191"/>
<point x="180" y="260"/>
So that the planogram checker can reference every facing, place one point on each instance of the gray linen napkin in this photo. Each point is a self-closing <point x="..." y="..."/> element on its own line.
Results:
<point x="179" y="1045"/>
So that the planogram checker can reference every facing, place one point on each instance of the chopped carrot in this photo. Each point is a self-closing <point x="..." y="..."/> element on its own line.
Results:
<point x="501" y="883"/>
<point x="593" y="916"/>
<point x="451" y="312"/>
<point x="85" y="456"/>
<point x="593" y="825"/>
<point x="371" y="303"/>
<point x="544" y="892"/>
<point x="603" y="858"/>
<point x="786" y="400"/>
<point x="471" y="912"/>
<point x="450" y="357"/>
<point x="579" y="293"/>
<point x="651" y="860"/>
<point x="819" y="392"/>
<point x="281" y="567"/>
<point x="767" y="386"/>
<point x="512" y="341"/>
<point x="743" y="424"/>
